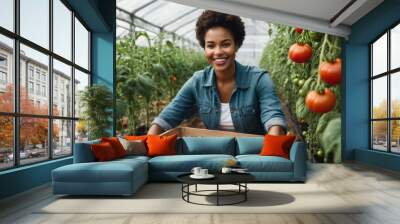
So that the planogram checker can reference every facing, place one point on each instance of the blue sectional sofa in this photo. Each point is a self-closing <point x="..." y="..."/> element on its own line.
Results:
<point x="125" y="176"/>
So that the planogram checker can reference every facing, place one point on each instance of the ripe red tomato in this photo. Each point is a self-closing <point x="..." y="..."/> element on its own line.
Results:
<point x="300" y="53"/>
<point x="331" y="73"/>
<point x="298" y="30"/>
<point x="320" y="102"/>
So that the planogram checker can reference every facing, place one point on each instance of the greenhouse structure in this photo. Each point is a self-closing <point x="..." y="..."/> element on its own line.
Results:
<point x="185" y="111"/>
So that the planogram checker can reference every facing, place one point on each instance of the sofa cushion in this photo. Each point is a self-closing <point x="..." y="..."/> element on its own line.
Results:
<point x="249" y="145"/>
<point x="185" y="163"/>
<point x="103" y="152"/>
<point x="277" y="145"/>
<point x="111" y="171"/>
<point x="116" y="145"/>
<point x="257" y="163"/>
<point x="207" y="145"/>
<point x="134" y="147"/>
<point x="161" y="145"/>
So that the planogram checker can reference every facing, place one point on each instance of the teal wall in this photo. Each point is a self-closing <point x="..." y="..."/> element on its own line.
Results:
<point x="99" y="16"/>
<point x="356" y="94"/>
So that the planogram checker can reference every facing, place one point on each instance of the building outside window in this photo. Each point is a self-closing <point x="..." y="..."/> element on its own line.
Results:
<point x="43" y="78"/>
<point x="30" y="87"/>
<point x="34" y="80"/>
<point x="38" y="89"/>
<point x="37" y="75"/>
<point x="3" y="72"/>
<point x="30" y="72"/>
<point x="3" y="78"/>
<point x="43" y="90"/>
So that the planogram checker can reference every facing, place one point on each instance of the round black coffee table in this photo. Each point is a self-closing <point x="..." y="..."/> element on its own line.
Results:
<point x="238" y="179"/>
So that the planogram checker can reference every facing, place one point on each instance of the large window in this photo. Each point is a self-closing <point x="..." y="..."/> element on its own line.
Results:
<point x="45" y="62"/>
<point x="385" y="94"/>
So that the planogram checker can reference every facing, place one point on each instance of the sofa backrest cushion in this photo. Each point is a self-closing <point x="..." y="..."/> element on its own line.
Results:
<point x="83" y="153"/>
<point x="206" y="145"/>
<point x="249" y="145"/>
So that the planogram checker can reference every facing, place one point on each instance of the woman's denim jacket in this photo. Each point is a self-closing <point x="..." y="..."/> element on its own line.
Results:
<point x="254" y="104"/>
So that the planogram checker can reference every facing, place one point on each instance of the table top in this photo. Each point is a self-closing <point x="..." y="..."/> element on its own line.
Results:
<point x="220" y="178"/>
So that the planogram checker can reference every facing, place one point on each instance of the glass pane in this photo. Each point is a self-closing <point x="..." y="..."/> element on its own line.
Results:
<point x="131" y="5"/>
<point x="81" y="45"/>
<point x="35" y="21"/>
<point x="7" y="14"/>
<point x="62" y="29"/>
<point x="6" y="74"/>
<point x="81" y="131"/>
<point x="379" y="135"/>
<point x="395" y="94"/>
<point x="81" y="81"/>
<point x="33" y="139"/>
<point x="395" y="47"/>
<point x="164" y="14"/>
<point x="395" y="138"/>
<point x="62" y="138"/>
<point x="34" y="97"/>
<point x="6" y="142"/>
<point x="180" y="23"/>
<point x="379" y="98"/>
<point x="379" y="55"/>
<point x="62" y="89"/>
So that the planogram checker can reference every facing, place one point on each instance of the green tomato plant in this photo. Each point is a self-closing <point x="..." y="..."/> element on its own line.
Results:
<point x="149" y="76"/>
<point x="293" y="81"/>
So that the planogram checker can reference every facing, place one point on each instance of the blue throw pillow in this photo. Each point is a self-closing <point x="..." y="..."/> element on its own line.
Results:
<point x="208" y="145"/>
<point x="249" y="145"/>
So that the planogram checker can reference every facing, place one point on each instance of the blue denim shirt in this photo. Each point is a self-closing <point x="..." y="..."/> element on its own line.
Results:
<point x="254" y="105"/>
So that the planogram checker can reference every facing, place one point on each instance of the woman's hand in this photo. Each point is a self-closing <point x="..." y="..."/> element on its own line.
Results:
<point x="276" y="130"/>
<point x="154" y="130"/>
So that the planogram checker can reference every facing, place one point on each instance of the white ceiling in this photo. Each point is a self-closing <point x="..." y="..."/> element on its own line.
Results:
<point x="317" y="15"/>
<point x="326" y="16"/>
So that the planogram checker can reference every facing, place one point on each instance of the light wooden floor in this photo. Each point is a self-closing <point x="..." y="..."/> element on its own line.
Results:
<point x="378" y="189"/>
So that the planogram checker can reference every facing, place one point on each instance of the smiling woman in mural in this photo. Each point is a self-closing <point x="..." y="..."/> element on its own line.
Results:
<point x="228" y="96"/>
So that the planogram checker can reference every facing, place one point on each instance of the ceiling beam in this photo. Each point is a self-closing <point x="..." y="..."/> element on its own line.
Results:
<point x="183" y="25"/>
<point x="346" y="11"/>
<point x="353" y="11"/>
<point x="179" y="17"/>
<point x="142" y="7"/>
<point x="269" y="15"/>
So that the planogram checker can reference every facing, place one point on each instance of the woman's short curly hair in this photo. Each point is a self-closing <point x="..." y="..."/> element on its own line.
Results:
<point x="210" y="19"/>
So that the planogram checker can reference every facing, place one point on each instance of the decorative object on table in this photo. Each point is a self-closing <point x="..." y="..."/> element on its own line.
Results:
<point x="237" y="170"/>
<point x="200" y="173"/>
<point x="231" y="163"/>
<point x="196" y="170"/>
<point x="226" y="170"/>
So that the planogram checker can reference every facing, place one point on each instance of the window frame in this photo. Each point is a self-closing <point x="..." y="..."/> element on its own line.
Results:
<point x="388" y="74"/>
<point x="15" y="72"/>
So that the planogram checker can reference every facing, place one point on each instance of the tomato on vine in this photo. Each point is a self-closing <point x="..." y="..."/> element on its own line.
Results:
<point x="320" y="102"/>
<point x="331" y="72"/>
<point x="298" y="30"/>
<point x="300" y="53"/>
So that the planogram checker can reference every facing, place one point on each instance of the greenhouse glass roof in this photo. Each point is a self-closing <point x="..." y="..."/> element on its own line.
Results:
<point x="178" y="17"/>
<point x="155" y="16"/>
